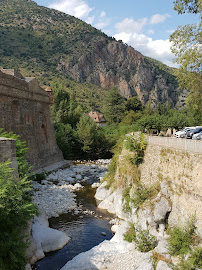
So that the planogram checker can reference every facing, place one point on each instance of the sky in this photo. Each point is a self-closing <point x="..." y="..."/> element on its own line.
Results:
<point x="143" y="24"/>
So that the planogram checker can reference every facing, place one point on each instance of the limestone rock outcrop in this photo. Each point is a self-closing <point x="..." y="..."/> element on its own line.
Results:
<point x="112" y="63"/>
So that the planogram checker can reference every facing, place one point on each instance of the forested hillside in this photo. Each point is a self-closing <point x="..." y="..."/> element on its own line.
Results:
<point x="46" y="43"/>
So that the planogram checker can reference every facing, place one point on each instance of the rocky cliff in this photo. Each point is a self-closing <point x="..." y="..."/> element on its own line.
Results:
<point x="112" y="63"/>
<point x="53" y="42"/>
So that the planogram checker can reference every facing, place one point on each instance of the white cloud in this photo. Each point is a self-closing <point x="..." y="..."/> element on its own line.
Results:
<point x="157" y="49"/>
<point x="77" y="8"/>
<point x="101" y="24"/>
<point x="129" y="25"/>
<point x="150" y="32"/>
<point x="102" y="14"/>
<point x="90" y="19"/>
<point x="158" y="18"/>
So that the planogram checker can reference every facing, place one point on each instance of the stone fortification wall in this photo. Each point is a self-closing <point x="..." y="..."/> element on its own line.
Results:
<point x="166" y="161"/>
<point x="25" y="110"/>
<point x="8" y="152"/>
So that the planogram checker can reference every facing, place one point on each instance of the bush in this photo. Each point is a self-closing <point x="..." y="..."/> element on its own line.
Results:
<point x="126" y="200"/>
<point x="181" y="238"/>
<point x="15" y="211"/>
<point x="145" y="241"/>
<point x="109" y="177"/>
<point x="142" y="238"/>
<point x="136" y="144"/>
<point x="143" y="193"/>
<point x="24" y="167"/>
<point x="193" y="262"/>
<point x="130" y="235"/>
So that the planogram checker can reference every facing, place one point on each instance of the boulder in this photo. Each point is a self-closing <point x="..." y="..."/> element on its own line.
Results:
<point x="102" y="192"/>
<point x="163" y="266"/>
<point x="48" y="239"/>
<point x="161" y="208"/>
<point x="165" y="189"/>
<point x="145" y="262"/>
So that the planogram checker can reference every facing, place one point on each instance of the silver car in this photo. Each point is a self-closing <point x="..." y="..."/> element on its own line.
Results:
<point x="197" y="136"/>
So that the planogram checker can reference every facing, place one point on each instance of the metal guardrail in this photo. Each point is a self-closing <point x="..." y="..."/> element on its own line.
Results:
<point x="194" y="146"/>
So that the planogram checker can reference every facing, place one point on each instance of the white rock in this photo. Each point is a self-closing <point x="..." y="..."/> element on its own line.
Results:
<point x="102" y="192"/>
<point x="78" y="186"/>
<point x="161" y="209"/>
<point x="48" y="239"/>
<point x="115" y="228"/>
<point x="162" y="247"/>
<point x="145" y="262"/>
<point x="95" y="185"/>
<point x="163" y="266"/>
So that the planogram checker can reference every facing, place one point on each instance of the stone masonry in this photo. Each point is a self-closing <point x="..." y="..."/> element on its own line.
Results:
<point x="25" y="110"/>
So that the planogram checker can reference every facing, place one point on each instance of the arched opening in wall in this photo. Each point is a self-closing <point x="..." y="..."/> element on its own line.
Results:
<point x="15" y="111"/>
<point x="44" y="131"/>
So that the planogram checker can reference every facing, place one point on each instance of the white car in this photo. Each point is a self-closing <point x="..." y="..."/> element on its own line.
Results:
<point x="197" y="136"/>
<point x="181" y="133"/>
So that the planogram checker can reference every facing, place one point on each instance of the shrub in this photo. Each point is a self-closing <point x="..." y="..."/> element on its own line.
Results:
<point x="193" y="262"/>
<point x="181" y="237"/>
<point x="126" y="200"/>
<point x="136" y="144"/>
<point x="15" y="211"/>
<point x="130" y="235"/>
<point x="143" y="240"/>
<point x="109" y="177"/>
<point x="141" y="194"/>
<point x="24" y="167"/>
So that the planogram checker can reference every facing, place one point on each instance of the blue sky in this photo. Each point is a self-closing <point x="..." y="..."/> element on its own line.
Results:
<point x="143" y="24"/>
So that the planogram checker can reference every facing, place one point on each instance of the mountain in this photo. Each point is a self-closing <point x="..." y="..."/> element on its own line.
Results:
<point x="47" y="43"/>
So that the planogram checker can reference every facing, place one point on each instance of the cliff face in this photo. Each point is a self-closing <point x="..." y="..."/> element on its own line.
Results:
<point x="111" y="63"/>
<point x="51" y="42"/>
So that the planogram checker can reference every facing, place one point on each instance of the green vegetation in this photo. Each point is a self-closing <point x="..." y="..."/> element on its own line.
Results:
<point x="186" y="42"/>
<point x="143" y="240"/>
<point x="130" y="235"/>
<point x="109" y="177"/>
<point x="138" y="195"/>
<point x="182" y="237"/>
<point x="193" y="262"/>
<point x="24" y="167"/>
<point x="16" y="209"/>
<point x="113" y="106"/>
<point x="136" y="144"/>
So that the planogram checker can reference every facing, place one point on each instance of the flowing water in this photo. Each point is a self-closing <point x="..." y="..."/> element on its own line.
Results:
<point x="86" y="230"/>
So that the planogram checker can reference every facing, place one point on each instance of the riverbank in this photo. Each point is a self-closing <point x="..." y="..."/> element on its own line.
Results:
<point x="56" y="195"/>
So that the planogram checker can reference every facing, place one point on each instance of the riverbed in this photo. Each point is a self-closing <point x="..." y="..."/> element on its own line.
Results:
<point x="87" y="226"/>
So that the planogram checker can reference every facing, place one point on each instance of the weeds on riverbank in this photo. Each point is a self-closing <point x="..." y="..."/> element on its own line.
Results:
<point x="182" y="237"/>
<point x="143" y="240"/>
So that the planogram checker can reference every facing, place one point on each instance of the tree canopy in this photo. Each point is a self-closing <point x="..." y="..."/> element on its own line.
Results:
<point x="113" y="106"/>
<point x="187" y="47"/>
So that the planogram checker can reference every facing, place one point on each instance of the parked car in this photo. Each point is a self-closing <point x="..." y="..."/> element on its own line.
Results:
<point x="197" y="136"/>
<point x="190" y="133"/>
<point x="181" y="133"/>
